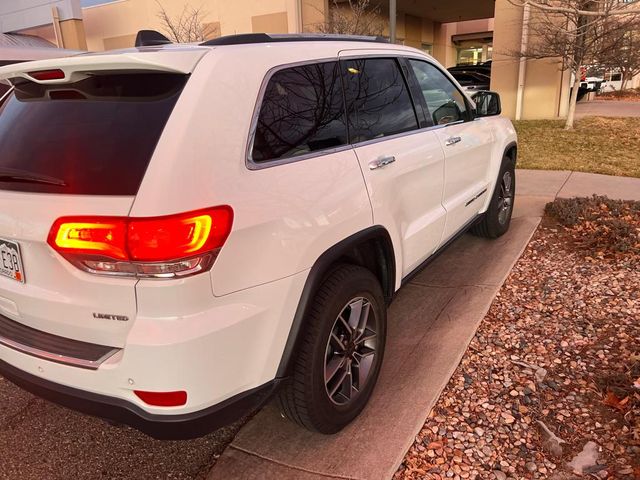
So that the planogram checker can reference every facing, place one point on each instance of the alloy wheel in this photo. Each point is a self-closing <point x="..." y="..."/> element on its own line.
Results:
<point x="351" y="351"/>
<point x="505" y="198"/>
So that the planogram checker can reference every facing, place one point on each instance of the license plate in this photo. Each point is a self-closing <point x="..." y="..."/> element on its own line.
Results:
<point x="10" y="260"/>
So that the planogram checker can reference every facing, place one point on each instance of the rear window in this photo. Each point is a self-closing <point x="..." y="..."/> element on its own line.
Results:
<point x="92" y="137"/>
<point x="378" y="100"/>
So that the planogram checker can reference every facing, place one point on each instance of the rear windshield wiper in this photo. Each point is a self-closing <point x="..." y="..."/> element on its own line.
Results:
<point x="15" y="175"/>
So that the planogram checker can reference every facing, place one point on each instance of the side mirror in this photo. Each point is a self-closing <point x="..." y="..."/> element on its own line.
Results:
<point x="487" y="104"/>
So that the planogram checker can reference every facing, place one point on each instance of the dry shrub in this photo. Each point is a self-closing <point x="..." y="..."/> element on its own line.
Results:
<point x="599" y="225"/>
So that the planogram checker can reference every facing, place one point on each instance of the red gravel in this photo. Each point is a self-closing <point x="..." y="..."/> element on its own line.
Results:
<point x="571" y="306"/>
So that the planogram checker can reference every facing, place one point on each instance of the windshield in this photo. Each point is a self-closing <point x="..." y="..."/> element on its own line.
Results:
<point x="93" y="137"/>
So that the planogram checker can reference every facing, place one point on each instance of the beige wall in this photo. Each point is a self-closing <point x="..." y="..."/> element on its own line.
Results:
<point x="545" y="86"/>
<point x="270" y="23"/>
<point x="314" y="13"/>
<point x="120" y="20"/>
<point x="73" y="34"/>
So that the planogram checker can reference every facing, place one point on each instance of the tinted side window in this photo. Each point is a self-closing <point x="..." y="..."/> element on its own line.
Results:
<point x="445" y="102"/>
<point x="301" y="112"/>
<point x="378" y="101"/>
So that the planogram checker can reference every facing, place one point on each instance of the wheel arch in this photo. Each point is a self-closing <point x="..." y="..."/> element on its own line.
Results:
<point x="371" y="248"/>
<point x="511" y="151"/>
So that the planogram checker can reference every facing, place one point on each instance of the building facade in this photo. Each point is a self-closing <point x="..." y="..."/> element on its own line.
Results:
<point x="461" y="32"/>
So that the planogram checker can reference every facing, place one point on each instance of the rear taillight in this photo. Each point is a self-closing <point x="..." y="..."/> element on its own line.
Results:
<point x="160" y="247"/>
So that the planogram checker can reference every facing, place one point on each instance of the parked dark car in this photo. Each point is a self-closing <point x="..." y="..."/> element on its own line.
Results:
<point x="471" y="81"/>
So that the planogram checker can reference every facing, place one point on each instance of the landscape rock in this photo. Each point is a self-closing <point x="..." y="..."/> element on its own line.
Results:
<point x="586" y="459"/>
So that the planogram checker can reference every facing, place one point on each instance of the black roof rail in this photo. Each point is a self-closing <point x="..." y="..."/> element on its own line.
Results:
<point x="147" y="38"/>
<point x="246" y="38"/>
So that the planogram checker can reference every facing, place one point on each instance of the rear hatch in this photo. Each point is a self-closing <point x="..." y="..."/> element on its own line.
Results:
<point x="76" y="138"/>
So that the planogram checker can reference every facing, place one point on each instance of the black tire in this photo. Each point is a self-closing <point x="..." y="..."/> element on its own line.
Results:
<point x="496" y="220"/>
<point x="306" y="398"/>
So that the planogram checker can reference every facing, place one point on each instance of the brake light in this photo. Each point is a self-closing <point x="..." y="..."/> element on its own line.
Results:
<point x="170" y="246"/>
<point x="55" y="74"/>
<point x="101" y="236"/>
<point x="162" y="399"/>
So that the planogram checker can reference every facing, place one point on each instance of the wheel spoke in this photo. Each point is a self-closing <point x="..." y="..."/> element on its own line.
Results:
<point x="366" y="336"/>
<point x="344" y="374"/>
<point x="345" y="324"/>
<point x="347" y="384"/>
<point x="355" y="313"/>
<point x="333" y="366"/>
<point x="337" y="342"/>
<point x="364" y="367"/>
<point x="364" y="320"/>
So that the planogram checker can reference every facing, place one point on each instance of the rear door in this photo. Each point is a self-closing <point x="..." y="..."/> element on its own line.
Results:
<point x="77" y="148"/>
<point x="401" y="160"/>
<point x="466" y="142"/>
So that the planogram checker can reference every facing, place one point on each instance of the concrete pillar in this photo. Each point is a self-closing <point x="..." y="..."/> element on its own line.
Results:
<point x="73" y="36"/>
<point x="443" y="50"/>
<point x="504" y="67"/>
<point x="393" y="12"/>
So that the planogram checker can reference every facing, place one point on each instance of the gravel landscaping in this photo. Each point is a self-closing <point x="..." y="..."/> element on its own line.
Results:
<point x="550" y="385"/>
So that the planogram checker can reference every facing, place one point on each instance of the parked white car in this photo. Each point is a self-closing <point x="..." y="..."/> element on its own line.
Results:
<point x="187" y="230"/>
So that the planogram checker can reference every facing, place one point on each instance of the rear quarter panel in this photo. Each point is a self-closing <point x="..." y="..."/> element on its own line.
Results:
<point x="285" y="216"/>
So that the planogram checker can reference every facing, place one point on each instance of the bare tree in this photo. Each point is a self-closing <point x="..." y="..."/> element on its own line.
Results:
<point x="353" y="17"/>
<point x="188" y="26"/>
<point x="625" y="57"/>
<point x="576" y="32"/>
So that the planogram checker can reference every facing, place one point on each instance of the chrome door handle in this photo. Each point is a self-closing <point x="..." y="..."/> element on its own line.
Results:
<point x="452" y="141"/>
<point x="381" y="162"/>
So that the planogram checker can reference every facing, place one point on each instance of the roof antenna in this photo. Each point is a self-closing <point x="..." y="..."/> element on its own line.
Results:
<point x="148" y="38"/>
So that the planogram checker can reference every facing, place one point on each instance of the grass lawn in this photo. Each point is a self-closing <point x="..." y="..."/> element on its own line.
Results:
<point x="596" y="145"/>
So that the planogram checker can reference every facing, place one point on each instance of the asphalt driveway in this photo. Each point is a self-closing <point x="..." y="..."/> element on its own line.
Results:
<point x="39" y="440"/>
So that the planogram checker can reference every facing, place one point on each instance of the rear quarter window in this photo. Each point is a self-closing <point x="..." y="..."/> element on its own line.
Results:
<point x="301" y="113"/>
<point x="378" y="102"/>
<point x="92" y="137"/>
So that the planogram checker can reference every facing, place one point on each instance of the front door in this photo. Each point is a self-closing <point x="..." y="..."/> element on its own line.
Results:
<point x="466" y="144"/>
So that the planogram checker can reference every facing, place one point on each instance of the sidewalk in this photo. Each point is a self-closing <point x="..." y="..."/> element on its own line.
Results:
<point x="431" y="323"/>
<point x="608" y="108"/>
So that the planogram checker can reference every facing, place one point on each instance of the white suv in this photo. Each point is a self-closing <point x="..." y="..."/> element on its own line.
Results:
<point x="185" y="229"/>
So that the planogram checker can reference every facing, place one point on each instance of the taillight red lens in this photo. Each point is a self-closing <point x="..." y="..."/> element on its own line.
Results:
<point x="178" y="236"/>
<point x="100" y="236"/>
<point x="55" y="74"/>
<point x="163" y="399"/>
<point x="156" y="239"/>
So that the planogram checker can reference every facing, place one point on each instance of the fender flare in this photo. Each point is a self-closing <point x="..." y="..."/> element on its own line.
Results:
<point x="319" y="271"/>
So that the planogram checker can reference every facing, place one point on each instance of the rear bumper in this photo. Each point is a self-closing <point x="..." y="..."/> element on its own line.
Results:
<point x="165" y="427"/>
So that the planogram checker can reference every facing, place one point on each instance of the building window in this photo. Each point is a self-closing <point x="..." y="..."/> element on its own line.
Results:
<point x="475" y="55"/>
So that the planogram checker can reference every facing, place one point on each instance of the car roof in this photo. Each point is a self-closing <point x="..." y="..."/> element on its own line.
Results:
<point x="183" y="58"/>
